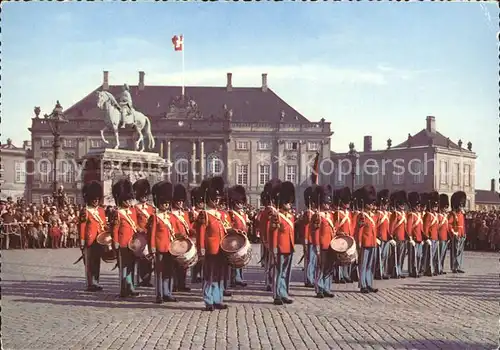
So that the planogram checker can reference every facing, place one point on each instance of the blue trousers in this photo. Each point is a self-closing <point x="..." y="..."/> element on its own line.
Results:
<point x="164" y="273"/>
<point x="236" y="275"/>
<point x="269" y="270"/>
<point x="344" y="272"/>
<point x="214" y="271"/>
<point x="430" y="258"/>
<point x="126" y="265"/>
<point x="310" y="265"/>
<point x="92" y="256"/>
<point x="443" y="247"/>
<point x="282" y="275"/>
<point x="324" y="270"/>
<point x="414" y="258"/>
<point x="382" y="260"/>
<point x="263" y="255"/>
<point x="457" y="253"/>
<point x="400" y="249"/>
<point x="366" y="268"/>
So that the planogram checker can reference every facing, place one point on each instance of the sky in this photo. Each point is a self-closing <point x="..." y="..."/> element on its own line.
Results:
<point x="368" y="68"/>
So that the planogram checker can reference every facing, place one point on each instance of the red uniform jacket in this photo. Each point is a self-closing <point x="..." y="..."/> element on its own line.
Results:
<point x="211" y="231"/>
<point x="443" y="229"/>
<point x="161" y="232"/>
<point x="92" y="222"/>
<point x="383" y="225"/>
<point x="367" y="231"/>
<point x="457" y="223"/>
<point x="323" y="235"/>
<point x="430" y="226"/>
<point x="414" y="226"/>
<point x="306" y="226"/>
<point x="282" y="235"/>
<point x="239" y="220"/>
<point x="125" y="226"/>
<point x="264" y="225"/>
<point x="180" y="222"/>
<point x="343" y="220"/>
<point x="397" y="225"/>
<point x="143" y="211"/>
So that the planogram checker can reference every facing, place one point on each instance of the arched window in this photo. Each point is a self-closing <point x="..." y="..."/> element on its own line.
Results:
<point x="214" y="165"/>
<point x="181" y="167"/>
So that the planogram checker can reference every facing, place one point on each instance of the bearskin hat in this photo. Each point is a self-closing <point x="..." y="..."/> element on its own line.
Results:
<point x="92" y="191"/>
<point x="237" y="194"/>
<point x="444" y="201"/>
<point x="287" y="193"/>
<point x="335" y="197"/>
<point x="310" y="198"/>
<point x="197" y="196"/>
<point x="383" y="197"/>
<point x="458" y="199"/>
<point x="433" y="199"/>
<point x="424" y="199"/>
<point x="324" y="194"/>
<point x="345" y="195"/>
<point x="162" y="193"/>
<point x="122" y="191"/>
<point x="398" y="198"/>
<point x="357" y="199"/>
<point x="369" y="194"/>
<point x="180" y="194"/>
<point x="142" y="188"/>
<point x="413" y="199"/>
<point x="216" y="187"/>
<point x="274" y="188"/>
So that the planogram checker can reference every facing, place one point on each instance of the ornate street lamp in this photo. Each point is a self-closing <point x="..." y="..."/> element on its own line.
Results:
<point x="353" y="157"/>
<point x="55" y="119"/>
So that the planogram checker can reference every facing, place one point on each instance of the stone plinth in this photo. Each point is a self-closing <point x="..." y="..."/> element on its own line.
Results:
<point x="110" y="165"/>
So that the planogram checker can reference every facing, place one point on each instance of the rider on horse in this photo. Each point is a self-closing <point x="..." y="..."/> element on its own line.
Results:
<point x="126" y="106"/>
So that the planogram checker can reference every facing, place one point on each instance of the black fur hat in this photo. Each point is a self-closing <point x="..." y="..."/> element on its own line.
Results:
<point x="237" y="194"/>
<point x="413" y="199"/>
<point x="197" y="196"/>
<point x="286" y="193"/>
<point x="344" y="195"/>
<point x="357" y="199"/>
<point x="433" y="199"/>
<point x="383" y="197"/>
<point x="324" y="194"/>
<point x="458" y="199"/>
<point x="122" y="191"/>
<point x="310" y="197"/>
<point x="142" y="188"/>
<point x="215" y="187"/>
<point x="444" y="201"/>
<point x="92" y="191"/>
<point x="162" y="193"/>
<point x="369" y="194"/>
<point x="424" y="200"/>
<point x="180" y="193"/>
<point x="398" y="198"/>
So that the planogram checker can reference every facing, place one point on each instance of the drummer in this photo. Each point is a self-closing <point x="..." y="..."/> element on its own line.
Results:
<point x="142" y="190"/>
<point x="344" y="223"/>
<point x="223" y="208"/>
<point x="323" y="232"/>
<point x="383" y="242"/>
<point x="162" y="233"/>
<point x="310" y="256"/>
<point x="239" y="221"/>
<point x="197" y="205"/>
<point x="397" y="232"/>
<point x="181" y="226"/>
<point x="211" y="230"/>
<point x="124" y="226"/>
<point x="92" y="223"/>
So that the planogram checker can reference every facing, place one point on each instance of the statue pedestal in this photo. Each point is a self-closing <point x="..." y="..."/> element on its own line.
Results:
<point x="110" y="165"/>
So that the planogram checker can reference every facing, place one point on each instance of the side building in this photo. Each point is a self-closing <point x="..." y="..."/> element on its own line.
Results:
<point x="427" y="161"/>
<point x="248" y="135"/>
<point x="13" y="169"/>
<point x="488" y="200"/>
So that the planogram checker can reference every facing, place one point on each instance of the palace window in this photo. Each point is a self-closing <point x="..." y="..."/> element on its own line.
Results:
<point x="242" y="175"/>
<point x="313" y="146"/>
<point x="96" y="143"/>
<point x="456" y="174"/>
<point x="181" y="167"/>
<point x="263" y="145"/>
<point x="291" y="146"/>
<point x="66" y="172"/>
<point x="417" y="172"/>
<point x="20" y="168"/>
<point x="291" y="173"/>
<point x="398" y="177"/>
<point x="69" y="143"/>
<point x="264" y="174"/>
<point x="467" y="175"/>
<point x="45" y="167"/>
<point x="242" y="145"/>
<point x="443" y="172"/>
<point x="214" y="165"/>
<point x="47" y="142"/>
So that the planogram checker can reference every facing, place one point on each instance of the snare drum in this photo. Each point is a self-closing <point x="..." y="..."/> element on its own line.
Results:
<point x="237" y="248"/>
<point x="345" y="251"/>
<point x="184" y="251"/>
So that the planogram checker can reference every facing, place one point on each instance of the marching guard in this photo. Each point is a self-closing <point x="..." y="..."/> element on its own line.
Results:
<point x="144" y="267"/>
<point x="282" y="241"/>
<point x="323" y="232"/>
<point x="367" y="240"/>
<point x="443" y="231"/>
<point x="345" y="224"/>
<point x="162" y="234"/>
<point x="430" y="231"/>
<point x="124" y="227"/>
<point x="92" y="223"/>
<point x="384" y="241"/>
<point x="414" y="229"/>
<point x="181" y="226"/>
<point x="197" y="205"/>
<point x="397" y="230"/>
<point x="457" y="227"/>
<point x="270" y="208"/>
<point x="310" y="256"/>
<point x="239" y="221"/>
<point x="210" y="233"/>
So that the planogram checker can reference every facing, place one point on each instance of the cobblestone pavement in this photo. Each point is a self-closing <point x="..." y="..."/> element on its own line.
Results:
<point x="44" y="307"/>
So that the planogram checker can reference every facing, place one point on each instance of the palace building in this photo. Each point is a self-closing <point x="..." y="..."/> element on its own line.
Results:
<point x="248" y="135"/>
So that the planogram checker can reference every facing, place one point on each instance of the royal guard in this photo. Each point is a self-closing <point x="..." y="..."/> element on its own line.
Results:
<point x="180" y="223"/>
<point x="223" y="208"/>
<point x="443" y="231"/>
<point x="124" y="227"/>
<point x="367" y="240"/>
<point x="92" y="223"/>
<point x="430" y="232"/>
<point x="282" y="239"/>
<point x="161" y="233"/>
<point x="310" y="256"/>
<point x="322" y="233"/>
<point x="382" y="270"/>
<point x="259" y="219"/>
<point x="414" y="227"/>
<point x="142" y="190"/>
<point x="211" y="231"/>
<point x="344" y="224"/>
<point x="239" y="221"/>
<point x="197" y="205"/>
<point x="456" y="220"/>
<point x="397" y="232"/>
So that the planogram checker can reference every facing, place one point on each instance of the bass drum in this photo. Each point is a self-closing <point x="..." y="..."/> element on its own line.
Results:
<point x="184" y="251"/>
<point x="108" y="253"/>
<point x="237" y="248"/>
<point x="344" y="248"/>
<point x="139" y="245"/>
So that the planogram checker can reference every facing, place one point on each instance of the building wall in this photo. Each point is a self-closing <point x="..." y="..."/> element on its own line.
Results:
<point x="486" y="206"/>
<point x="13" y="170"/>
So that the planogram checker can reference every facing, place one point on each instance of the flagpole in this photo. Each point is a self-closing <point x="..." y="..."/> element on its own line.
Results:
<point x="183" y="81"/>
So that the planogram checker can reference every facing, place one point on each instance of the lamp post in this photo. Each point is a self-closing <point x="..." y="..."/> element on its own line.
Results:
<point x="353" y="157"/>
<point x="55" y="119"/>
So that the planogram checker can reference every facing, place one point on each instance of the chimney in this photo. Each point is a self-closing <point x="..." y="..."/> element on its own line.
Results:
<point x="493" y="185"/>
<point x="141" y="80"/>
<point x="367" y="144"/>
<point x="105" y="80"/>
<point x="264" y="82"/>
<point x="229" y="84"/>
<point x="431" y="124"/>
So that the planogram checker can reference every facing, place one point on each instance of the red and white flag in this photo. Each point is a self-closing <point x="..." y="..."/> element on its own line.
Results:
<point x="178" y="42"/>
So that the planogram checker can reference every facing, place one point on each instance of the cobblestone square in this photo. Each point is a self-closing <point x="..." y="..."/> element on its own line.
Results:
<point x="44" y="306"/>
